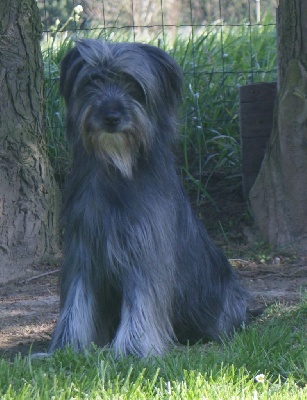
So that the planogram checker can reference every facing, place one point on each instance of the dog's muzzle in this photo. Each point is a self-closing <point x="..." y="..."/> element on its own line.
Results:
<point x="112" y="119"/>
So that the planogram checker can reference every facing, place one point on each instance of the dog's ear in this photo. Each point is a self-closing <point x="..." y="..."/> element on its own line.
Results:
<point x="70" y="67"/>
<point x="169" y="73"/>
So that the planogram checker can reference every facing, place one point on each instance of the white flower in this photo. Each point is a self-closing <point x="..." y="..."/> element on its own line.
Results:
<point x="78" y="9"/>
<point x="260" y="378"/>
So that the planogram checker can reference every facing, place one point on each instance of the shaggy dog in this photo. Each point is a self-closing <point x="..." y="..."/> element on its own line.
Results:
<point x="139" y="270"/>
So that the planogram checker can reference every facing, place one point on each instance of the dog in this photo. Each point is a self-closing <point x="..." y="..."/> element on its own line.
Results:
<point x="139" y="272"/>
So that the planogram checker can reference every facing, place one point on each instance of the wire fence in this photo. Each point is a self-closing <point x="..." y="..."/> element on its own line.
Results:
<point x="220" y="45"/>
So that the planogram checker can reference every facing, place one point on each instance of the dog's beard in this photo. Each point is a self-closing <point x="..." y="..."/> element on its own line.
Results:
<point x="119" y="149"/>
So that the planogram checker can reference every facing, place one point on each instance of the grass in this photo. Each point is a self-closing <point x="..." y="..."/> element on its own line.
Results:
<point x="215" y="64"/>
<point x="267" y="360"/>
<point x="215" y="61"/>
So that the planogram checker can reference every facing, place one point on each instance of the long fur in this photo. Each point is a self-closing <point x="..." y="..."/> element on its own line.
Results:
<point x="139" y="270"/>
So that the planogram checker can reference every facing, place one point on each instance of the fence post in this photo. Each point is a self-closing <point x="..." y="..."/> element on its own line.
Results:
<point x="258" y="11"/>
<point x="256" y="121"/>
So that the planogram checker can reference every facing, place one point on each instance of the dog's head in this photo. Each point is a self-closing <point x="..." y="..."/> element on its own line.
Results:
<point x="120" y="98"/>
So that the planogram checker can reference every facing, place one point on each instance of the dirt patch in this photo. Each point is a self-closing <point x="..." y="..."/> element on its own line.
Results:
<point x="28" y="312"/>
<point x="29" y="308"/>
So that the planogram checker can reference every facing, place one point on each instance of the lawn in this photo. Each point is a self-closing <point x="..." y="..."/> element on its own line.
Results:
<point x="266" y="360"/>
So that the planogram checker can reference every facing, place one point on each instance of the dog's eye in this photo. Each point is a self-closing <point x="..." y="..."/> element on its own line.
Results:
<point x="132" y="87"/>
<point x="137" y="92"/>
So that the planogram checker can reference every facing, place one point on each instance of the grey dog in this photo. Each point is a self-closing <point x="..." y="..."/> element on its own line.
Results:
<point x="139" y="272"/>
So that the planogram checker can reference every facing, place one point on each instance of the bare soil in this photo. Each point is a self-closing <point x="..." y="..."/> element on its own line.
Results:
<point x="29" y="308"/>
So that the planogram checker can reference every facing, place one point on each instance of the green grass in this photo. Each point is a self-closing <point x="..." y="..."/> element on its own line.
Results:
<point x="267" y="360"/>
<point x="215" y="64"/>
<point x="215" y="61"/>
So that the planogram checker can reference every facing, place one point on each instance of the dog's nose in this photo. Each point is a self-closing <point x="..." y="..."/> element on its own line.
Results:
<point x="112" y="118"/>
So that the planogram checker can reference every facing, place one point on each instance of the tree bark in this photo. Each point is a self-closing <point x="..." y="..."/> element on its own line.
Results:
<point x="29" y="197"/>
<point x="278" y="198"/>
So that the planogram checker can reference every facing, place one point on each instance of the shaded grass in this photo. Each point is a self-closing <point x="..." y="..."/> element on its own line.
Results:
<point x="266" y="360"/>
<point x="215" y="61"/>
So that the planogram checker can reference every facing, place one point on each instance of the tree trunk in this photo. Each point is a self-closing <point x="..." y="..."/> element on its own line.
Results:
<point x="29" y="197"/>
<point x="279" y="196"/>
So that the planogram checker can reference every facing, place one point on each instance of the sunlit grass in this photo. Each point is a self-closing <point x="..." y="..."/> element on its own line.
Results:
<point x="265" y="360"/>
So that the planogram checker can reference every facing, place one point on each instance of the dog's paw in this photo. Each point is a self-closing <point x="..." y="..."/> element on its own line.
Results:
<point x="39" y="356"/>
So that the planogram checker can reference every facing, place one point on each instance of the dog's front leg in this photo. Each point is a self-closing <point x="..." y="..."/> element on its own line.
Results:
<point x="75" y="326"/>
<point x="145" y="328"/>
<point x="76" y="323"/>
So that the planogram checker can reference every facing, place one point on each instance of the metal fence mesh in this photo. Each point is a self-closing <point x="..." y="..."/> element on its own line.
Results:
<point x="219" y="44"/>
